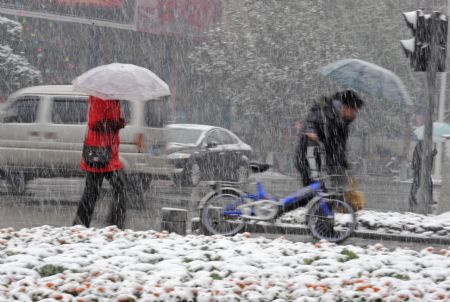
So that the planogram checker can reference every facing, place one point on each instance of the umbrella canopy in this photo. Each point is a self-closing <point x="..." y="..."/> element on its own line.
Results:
<point x="121" y="82"/>
<point x="368" y="78"/>
<point x="439" y="131"/>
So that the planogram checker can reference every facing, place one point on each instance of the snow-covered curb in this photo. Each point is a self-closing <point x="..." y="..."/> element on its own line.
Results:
<point x="79" y="264"/>
<point x="389" y="222"/>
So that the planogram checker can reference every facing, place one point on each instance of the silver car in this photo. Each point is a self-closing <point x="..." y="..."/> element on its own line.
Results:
<point x="42" y="130"/>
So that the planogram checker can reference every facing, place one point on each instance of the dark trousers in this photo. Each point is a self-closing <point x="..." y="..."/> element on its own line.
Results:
<point x="301" y="161"/>
<point x="91" y="193"/>
<point x="413" y="193"/>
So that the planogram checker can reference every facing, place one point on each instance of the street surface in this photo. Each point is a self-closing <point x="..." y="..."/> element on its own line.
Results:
<point x="54" y="202"/>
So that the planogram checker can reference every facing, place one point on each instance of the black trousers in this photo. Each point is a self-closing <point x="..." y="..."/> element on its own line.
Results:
<point x="301" y="160"/>
<point x="413" y="204"/>
<point x="91" y="193"/>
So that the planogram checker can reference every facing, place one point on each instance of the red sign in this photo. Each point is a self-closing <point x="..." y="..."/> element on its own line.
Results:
<point x="98" y="3"/>
<point x="177" y="16"/>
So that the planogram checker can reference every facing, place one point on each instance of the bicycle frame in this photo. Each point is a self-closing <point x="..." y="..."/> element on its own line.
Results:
<point x="286" y="204"/>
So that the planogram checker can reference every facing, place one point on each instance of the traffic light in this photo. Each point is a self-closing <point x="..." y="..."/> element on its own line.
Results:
<point x="429" y="30"/>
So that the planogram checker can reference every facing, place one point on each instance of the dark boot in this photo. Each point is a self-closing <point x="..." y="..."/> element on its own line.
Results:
<point x="118" y="208"/>
<point x="89" y="198"/>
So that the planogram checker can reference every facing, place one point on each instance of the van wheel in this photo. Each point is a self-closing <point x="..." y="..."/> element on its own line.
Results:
<point x="139" y="183"/>
<point x="145" y="182"/>
<point x="17" y="182"/>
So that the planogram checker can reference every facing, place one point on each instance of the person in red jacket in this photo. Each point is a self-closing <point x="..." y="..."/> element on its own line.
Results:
<point x="101" y="160"/>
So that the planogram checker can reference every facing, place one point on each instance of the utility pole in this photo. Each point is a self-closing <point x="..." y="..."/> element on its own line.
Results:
<point x="95" y="58"/>
<point x="444" y="201"/>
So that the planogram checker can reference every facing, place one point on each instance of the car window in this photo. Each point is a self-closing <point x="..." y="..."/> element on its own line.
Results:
<point x="214" y="136"/>
<point x="23" y="110"/>
<point x="156" y="112"/>
<point x="184" y="136"/>
<point x="125" y="109"/>
<point x="226" y="138"/>
<point x="69" y="111"/>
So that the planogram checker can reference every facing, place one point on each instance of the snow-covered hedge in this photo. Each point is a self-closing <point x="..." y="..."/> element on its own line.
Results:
<point x="79" y="264"/>
<point x="390" y="222"/>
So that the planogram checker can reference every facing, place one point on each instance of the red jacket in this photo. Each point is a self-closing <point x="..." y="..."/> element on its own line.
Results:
<point x="104" y="123"/>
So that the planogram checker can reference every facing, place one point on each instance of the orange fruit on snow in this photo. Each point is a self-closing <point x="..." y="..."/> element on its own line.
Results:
<point x="168" y="289"/>
<point x="79" y="289"/>
<point x="440" y="297"/>
<point x="240" y="284"/>
<point x="49" y="284"/>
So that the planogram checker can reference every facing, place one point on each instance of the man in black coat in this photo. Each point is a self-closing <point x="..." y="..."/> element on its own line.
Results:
<point x="328" y="123"/>
<point x="416" y="166"/>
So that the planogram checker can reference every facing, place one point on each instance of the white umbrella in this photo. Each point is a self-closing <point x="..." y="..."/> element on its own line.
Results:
<point x="121" y="82"/>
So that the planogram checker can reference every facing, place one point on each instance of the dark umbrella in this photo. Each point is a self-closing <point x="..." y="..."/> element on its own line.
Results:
<point x="368" y="78"/>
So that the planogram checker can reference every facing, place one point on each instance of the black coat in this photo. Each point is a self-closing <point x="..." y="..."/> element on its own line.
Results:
<point x="324" y="119"/>
<point x="416" y="163"/>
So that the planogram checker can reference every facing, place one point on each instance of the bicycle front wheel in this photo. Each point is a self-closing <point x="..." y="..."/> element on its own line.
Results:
<point x="331" y="219"/>
<point x="220" y="215"/>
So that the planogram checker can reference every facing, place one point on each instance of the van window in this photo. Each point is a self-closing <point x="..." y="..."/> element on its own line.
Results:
<point x="156" y="113"/>
<point x="69" y="111"/>
<point x="125" y="109"/>
<point x="23" y="110"/>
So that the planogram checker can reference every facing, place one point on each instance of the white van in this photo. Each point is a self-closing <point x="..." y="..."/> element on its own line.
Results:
<point x="42" y="130"/>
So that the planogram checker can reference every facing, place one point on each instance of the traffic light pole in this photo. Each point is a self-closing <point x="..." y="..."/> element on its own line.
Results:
<point x="441" y="115"/>
<point x="425" y="185"/>
<point x="427" y="52"/>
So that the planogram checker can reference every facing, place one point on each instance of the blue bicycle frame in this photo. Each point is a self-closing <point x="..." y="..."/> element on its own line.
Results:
<point x="288" y="203"/>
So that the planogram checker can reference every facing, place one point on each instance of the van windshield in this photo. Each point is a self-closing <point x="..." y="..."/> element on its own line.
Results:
<point x="156" y="112"/>
<point x="184" y="136"/>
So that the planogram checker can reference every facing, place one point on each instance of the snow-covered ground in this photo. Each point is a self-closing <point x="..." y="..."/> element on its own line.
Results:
<point x="79" y="264"/>
<point x="390" y="222"/>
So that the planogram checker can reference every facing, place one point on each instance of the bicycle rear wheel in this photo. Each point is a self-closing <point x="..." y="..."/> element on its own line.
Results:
<point x="221" y="216"/>
<point x="337" y="226"/>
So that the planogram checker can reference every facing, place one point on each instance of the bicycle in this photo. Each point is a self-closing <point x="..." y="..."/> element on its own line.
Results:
<point x="226" y="210"/>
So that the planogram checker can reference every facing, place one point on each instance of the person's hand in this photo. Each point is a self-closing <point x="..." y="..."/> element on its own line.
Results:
<point x="352" y="182"/>
<point x="121" y="123"/>
<point x="99" y="126"/>
<point x="109" y="125"/>
<point x="312" y="136"/>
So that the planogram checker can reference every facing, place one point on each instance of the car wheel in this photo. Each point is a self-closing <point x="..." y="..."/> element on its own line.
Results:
<point x="242" y="174"/>
<point x="191" y="176"/>
<point x="17" y="182"/>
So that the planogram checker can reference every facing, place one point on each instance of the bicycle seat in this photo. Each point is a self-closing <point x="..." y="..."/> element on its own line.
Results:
<point x="258" y="167"/>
